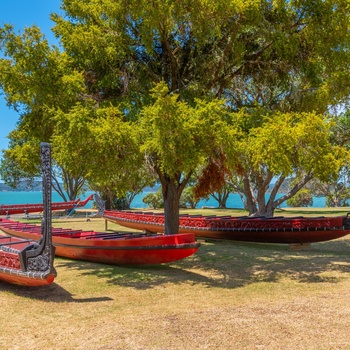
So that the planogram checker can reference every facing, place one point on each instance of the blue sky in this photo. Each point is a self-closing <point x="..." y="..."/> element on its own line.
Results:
<point x="21" y="14"/>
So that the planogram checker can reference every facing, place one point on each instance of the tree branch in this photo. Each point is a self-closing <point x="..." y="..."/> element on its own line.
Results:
<point x="294" y="190"/>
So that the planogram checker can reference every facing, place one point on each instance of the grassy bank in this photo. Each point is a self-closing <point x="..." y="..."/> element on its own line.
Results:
<point x="228" y="296"/>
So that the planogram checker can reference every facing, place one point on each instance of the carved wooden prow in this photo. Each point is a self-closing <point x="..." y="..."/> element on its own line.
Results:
<point x="100" y="204"/>
<point x="40" y="257"/>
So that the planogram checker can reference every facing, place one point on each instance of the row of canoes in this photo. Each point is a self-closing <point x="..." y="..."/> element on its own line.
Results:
<point x="109" y="248"/>
<point x="151" y="246"/>
<point x="27" y="251"/>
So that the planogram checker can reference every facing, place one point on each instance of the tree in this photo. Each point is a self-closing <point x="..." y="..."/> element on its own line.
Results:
<point x="337" y="196"/>
<point x="154" y="200"/>
<point x="337" y="191"/>
<point x="253" y="58"/>
<point x="300" y="77"/>
<point x="188" y="198"/>
<point x="108" y="153"/>
<point x="285" y="145"/>
<point x="19" y="164"/>
<point x="340" y="131"/>
<point x="177" y="138"/>
<point x="12" y="174"/>
<point x="221" y="196"/>
<point x="115" y="197"/>
<point x="36" y="80"/>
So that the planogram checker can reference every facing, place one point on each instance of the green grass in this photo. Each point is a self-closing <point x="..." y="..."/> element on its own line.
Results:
<point x="229" y="295"/>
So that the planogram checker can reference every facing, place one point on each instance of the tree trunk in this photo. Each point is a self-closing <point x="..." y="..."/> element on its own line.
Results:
<point x="224" y="196"/>
<point x="221" y="197"/>
<point x="172" y="188"/>
<point x="250" y="199"/>
<point x="222" y="203"/>
<point x="171" y="197"/>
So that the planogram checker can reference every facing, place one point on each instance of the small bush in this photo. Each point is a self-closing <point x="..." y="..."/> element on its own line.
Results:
<point x="153" y="200"/>
<point x="302" y="199"/>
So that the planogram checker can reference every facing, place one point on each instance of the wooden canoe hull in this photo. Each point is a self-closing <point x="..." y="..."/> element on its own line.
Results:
<point x="278" y="230"/>
<point x="150" y="255"/>
<point x="29" y="262"/>
<point x="11" y="209"/>
<point x="24" y="279"/>
<point x="12" y="266"/>
<point x="110" y="248"/>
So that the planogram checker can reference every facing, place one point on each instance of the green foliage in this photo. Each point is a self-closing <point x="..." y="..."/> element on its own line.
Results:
<point x="154" y="200"/>
<point x="340" y="131"/>
<point x="337" y="192"/>
<point x="302" y="199"/>
<point x="158" y="81"/>
<point x="99" y="143"/>
<point x="121" y="203"/>
<point x="36" y="78"/>
<point x="188" y="198"/>
<point x="286" y="142"/>
<point x="279" y="146"/>
<point x="11" y="173"/>
<point x="179" y="137"/>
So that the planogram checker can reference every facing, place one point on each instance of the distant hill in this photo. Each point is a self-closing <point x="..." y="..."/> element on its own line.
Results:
<point x="23" y="186"/>
<point x="285" y="187"/>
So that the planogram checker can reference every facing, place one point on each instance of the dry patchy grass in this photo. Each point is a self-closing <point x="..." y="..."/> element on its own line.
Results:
<point x="228" y="296"/>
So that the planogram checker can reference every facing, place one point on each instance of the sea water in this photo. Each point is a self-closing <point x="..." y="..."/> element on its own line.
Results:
<point x="34" y="197"/>
<point x="234" y="201"/>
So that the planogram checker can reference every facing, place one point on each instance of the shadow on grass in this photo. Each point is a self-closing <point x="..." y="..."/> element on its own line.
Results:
<point x="50" y="293"/>
<point x="231" y="265"/>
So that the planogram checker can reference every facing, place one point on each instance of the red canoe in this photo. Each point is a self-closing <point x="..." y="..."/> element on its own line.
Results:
<point x="110" y="248"/>
<point x="9" y="209"/>
<point x="298" y="230"/>
<point x="29" y="262"/>
<point x="25" y="262"/>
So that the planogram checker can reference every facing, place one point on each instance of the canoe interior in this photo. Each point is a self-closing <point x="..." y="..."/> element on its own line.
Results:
<point x="111" y="248"/>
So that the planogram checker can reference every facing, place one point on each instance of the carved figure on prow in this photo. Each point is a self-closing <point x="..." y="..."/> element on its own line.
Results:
<point x="35" y="260"/>
<point x="100" y="204"/>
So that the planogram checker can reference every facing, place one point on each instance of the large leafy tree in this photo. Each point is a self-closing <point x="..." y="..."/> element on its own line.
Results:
<point x="285" y="145"/>
<point x="300" y="69"/>
<point x="37" y="80"/>
<point x="265" y="56"/>
<point x="177" y="138"/>
<point x="337" y="190"/>
<point x="108" y="151"/>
